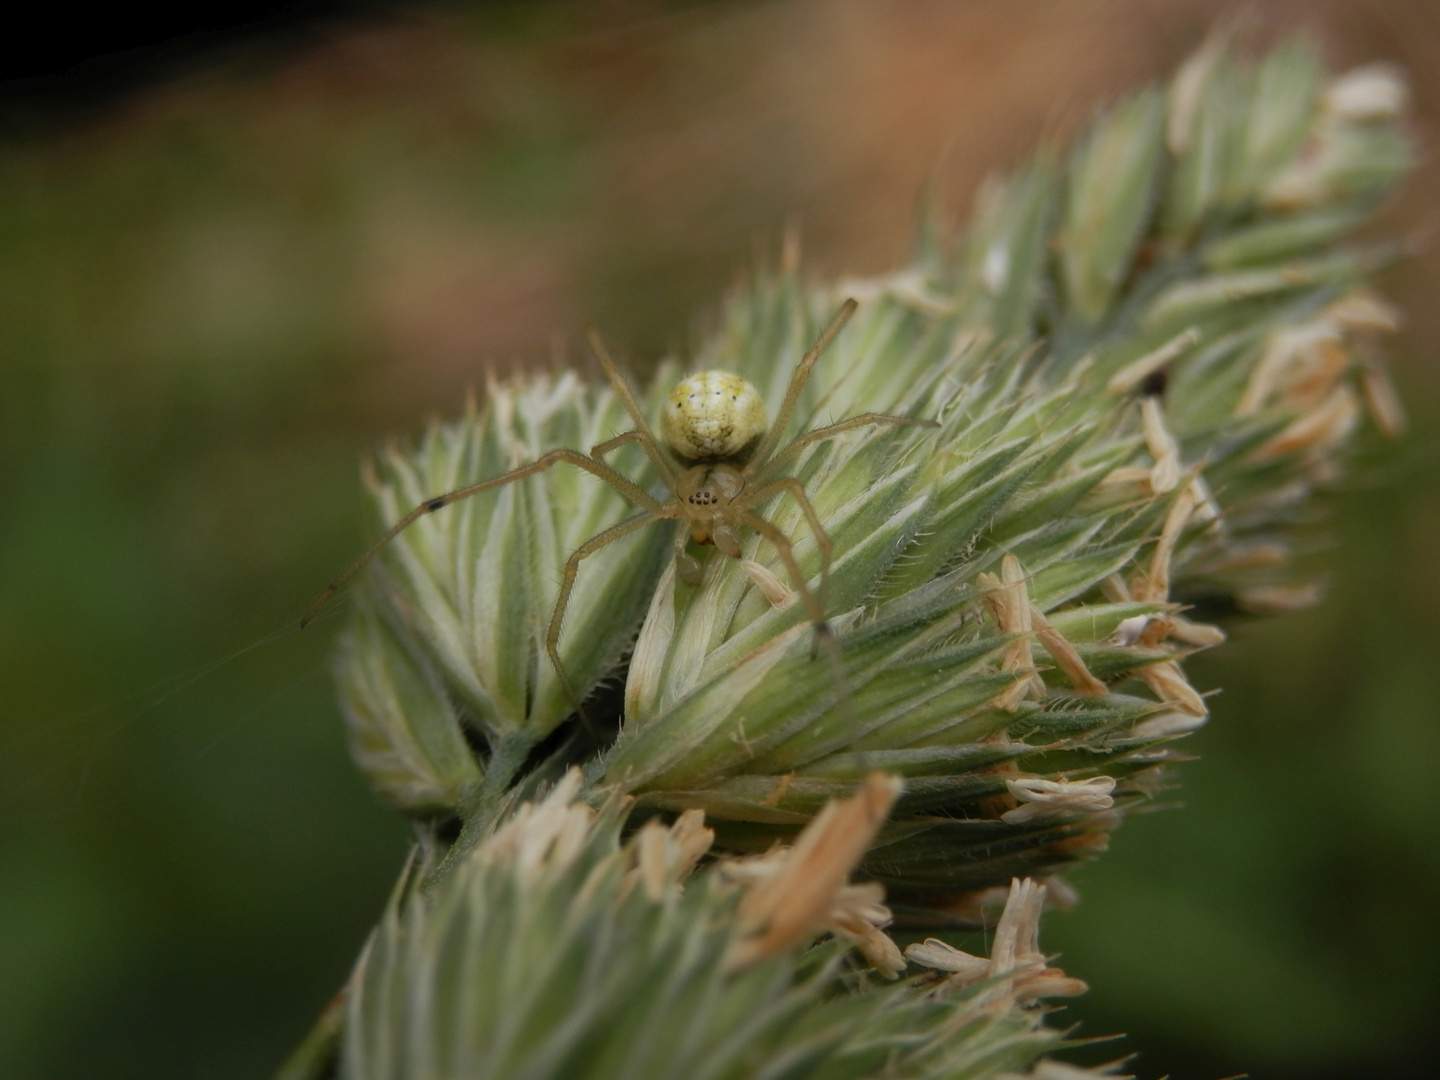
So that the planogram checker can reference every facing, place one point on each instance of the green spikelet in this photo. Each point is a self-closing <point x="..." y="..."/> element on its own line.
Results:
<point x="554" y="950"/>
<point x="1141" y="362"/>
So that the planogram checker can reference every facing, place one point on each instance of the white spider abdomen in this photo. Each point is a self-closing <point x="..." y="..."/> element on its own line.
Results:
<point x="713" y="414"/>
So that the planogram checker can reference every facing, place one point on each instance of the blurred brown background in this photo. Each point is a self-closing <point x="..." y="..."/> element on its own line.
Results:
<point x="220" y="287"/>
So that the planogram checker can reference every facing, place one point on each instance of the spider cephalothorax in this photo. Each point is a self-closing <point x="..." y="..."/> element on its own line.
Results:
<point x="711" y="422"/>
<point x="714" y="429"/>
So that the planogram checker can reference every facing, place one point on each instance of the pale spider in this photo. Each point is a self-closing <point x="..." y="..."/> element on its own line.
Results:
<point x="714" y="425"/>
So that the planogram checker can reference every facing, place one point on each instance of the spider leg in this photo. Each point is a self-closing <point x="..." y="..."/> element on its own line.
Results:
<point x="823" y="635"/>
<point x="797" y="383"/>
<point x="647" y="443"/>
<point x="790" y="486"/>
<point x="621" y="386"/>
<point x="687" y="567"/>
<point x="567" y="584"/>
<point x="787" y="556"/>
<point x="829" y="431"/>
<point x="439" y="502"/>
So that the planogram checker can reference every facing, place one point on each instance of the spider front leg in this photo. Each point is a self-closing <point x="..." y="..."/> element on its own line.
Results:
<point x="647" y="443"/>
<point x="790" y="486"/>
<point x="567" y="585"/>
<point x="829" y="431"/>
<point x="642" y="433"/>
<point x="798" y="381"/>
<point x="823" y="636"/>
<point x="787" y="555"/>
<point x="595" y="468"/>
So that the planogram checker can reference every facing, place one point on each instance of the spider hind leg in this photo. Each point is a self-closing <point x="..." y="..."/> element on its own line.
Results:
<point x="823" y="639"/>
<point x="567" y="585"/>
<point x="631" y="491"/>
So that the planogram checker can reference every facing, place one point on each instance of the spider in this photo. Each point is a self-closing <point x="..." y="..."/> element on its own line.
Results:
<point x="722" y="465"/>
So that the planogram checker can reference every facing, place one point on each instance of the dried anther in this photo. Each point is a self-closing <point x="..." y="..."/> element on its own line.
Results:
<point x="792" y="894"/>
<point x="1367" y="97"/>
<point x="1165" y="475"/>
<point x="1066" y="657"/>
<point x="1321" y="429"/>
<point x="1155" y="585"/>
<point x="544" y="835"/>
<point x="1167" y="724"/>
<point x="664" y="857"/>
<point x="1165" y="679"/>
<point x="1200" y="635"/>
<point x="1168" y="683"/>
<point x="1015" y="953"/>
<point x="1302" y="369"/>
<point x="771" y="587"/>
<point x="1008" y="601"/>
<point x="1044" y="798"/>
<point x="1278" y="599"/>
<point x="1371" y="92"/>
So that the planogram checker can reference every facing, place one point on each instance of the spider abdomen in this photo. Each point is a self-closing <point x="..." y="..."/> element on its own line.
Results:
<point x="713" y="416"/>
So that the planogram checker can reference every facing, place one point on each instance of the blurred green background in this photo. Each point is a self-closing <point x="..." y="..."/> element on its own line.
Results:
<point x="217" y="292"/>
